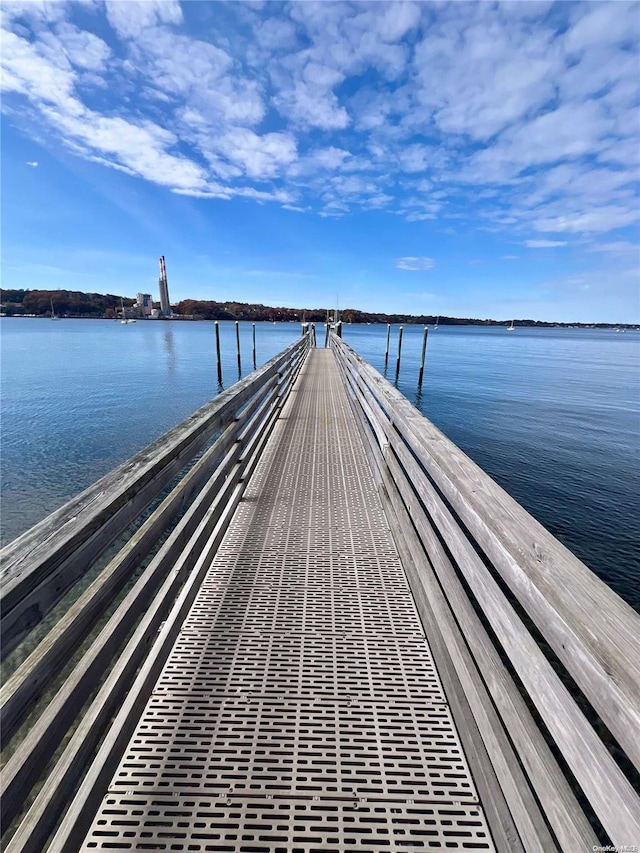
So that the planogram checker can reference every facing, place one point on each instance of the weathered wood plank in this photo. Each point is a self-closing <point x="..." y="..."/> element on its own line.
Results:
<point x="511" y="810"/>
<point x="183" y="545"/>
<point x="561" y="808"/>
<point x="42" y="816"/>
<point x="503" y="829"/>
<point x="33" y="832"/>
<point x="536" y="758"/>
<point x="594" y="633"/>
<point x="22" y="689"/>
<point x="39" y="566"/>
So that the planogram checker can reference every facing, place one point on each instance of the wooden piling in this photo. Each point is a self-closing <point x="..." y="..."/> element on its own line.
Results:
<point x="399" y="352"/>
<point x="254" y="344"/>
<point x="326" y="334"/>
<point x="386" y="354"/>
<point x="218" y="353"/>
<point x="424" y="352"/>
<point x="238" y="347"/>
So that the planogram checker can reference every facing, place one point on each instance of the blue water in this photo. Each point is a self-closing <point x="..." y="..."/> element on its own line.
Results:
<point x="552" y="414"/>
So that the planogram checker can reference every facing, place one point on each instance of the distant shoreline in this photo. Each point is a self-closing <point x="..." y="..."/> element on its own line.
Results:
<point x="444" y="321"/>
<point x="75" y="304"/>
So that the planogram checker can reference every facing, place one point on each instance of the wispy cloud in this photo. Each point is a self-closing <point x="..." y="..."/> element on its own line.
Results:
<point x="32" y="163"/>
<point x="544" y="244"/>
<point x="621" y="247"/>
<point x="504" y="113"/>
<point x="415" y="263"/>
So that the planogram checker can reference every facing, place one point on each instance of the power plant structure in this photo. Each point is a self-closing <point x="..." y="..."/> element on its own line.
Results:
<point x="165" y="307"/>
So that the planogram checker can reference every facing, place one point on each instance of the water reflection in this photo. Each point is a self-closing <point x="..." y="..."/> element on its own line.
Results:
<point x="169" y="345"/>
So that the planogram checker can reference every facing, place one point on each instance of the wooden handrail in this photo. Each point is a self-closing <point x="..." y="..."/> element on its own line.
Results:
<point x="39" y="567"/>
<point x="593" y="632"/>
<point x="218" y="479"/>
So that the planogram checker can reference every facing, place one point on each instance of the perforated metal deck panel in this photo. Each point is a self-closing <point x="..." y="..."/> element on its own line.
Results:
<point x="300" y="709"/>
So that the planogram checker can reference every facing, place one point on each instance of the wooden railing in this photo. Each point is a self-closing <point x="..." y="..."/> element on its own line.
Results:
<point x="513" y="619"/>
<point x="170" y="550"/>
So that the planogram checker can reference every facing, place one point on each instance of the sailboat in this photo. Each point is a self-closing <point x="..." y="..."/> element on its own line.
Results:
<point x="437" y="321"/>
<point x="511" y="327"/>
<point x="54" y="316"/>
<point x="124" y="320"/>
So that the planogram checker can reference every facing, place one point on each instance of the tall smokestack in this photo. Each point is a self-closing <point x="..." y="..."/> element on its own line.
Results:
<point x="165" y="308"/>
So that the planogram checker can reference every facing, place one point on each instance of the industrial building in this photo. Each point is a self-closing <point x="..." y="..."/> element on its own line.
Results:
<point x="165" y="307"/>
<point x="144" y="304"/>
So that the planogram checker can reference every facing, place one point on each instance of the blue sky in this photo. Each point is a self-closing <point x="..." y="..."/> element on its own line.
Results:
<point x="447" y="158"/>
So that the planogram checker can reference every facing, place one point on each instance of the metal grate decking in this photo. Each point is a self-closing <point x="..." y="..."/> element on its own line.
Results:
<point x="300" y="709"/>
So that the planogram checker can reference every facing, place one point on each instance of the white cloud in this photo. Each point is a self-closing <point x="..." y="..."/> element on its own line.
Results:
<point x="544" y="244"/>
<point x="83" y="49"/>
<point x="605" y="218"/>
<point x="142" y="149"/>
<point x="130" y="17"/>
<point x="276" y="35"/>
<point x="259" y="157"/>
<point x="26" y="71"/>
<point x="415" y="263"/>
<point x="510" y="116"/>
<point x="618" y="247"/>
<point x="477" y="73"/>
<point x="604" y="23"/>
<point x="310" y="106"/>
<point x="570" y="131"/>
<point x="38" y="12"/>
<point x="32" y="163"/>
<point x="415" y="158"/>
<point x="397" y="19"/>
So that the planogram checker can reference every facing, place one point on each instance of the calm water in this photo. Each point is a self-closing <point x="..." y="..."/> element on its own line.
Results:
<point x="552" y="415"/>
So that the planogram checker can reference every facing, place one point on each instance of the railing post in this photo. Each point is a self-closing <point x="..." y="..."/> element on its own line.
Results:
<point x="386" y="354"/>
<point x="238" y="347"/>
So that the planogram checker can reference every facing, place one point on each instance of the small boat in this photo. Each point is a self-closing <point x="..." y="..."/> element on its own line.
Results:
<point x="437" y="321"/>
<point x="54" y="316"/>
<point x="511" y="327"/>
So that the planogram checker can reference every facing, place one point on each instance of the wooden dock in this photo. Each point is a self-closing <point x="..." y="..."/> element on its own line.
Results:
<point x="303" y="620"/>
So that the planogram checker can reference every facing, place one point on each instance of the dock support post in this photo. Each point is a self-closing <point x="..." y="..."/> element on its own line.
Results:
<point x="386" y="354"/>
<point x="424" y="352"/>
<point x="238" y="347"/>
<point x="326" y="335"/>
<point x="254" y="344"/>
<point x="339" y="328"/>
<point x="399" y="351"/>
<point x="218" y="353"/>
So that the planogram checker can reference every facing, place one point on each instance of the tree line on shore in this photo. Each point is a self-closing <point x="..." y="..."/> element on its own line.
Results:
<point x="71" y="303"/>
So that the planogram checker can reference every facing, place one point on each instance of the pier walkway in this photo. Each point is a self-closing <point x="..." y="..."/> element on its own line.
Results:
<point x="304" y="621"/>
<point x="299" y="708"/>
